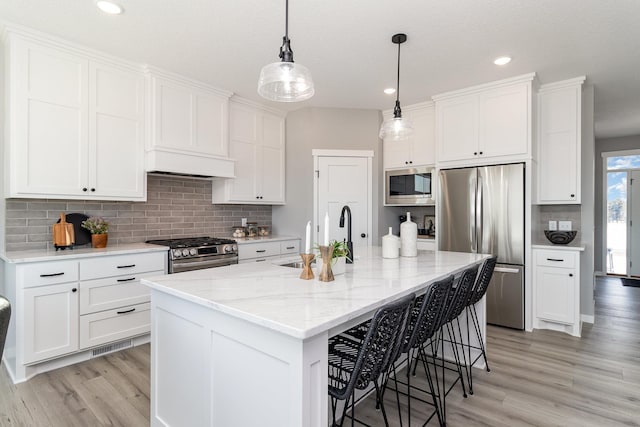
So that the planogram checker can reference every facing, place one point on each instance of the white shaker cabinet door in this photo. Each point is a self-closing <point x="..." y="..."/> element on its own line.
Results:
<point x="50" y="321"/>
<point x="457" y="128"/>
<point x="504" y="121"/>
<point x="271" y="169"/>
<point x="48" y="120"/>
<point x="116" y="137"/>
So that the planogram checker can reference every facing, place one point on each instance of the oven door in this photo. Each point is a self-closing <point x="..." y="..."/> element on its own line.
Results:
<point x="405" y="187"/>
<point x="199" y="263"/>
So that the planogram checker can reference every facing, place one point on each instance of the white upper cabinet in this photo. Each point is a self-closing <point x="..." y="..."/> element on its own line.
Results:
<point x="419" y="148"/>
<point x="486" y="123"/>
<point x="257" y="145"/>
<point x="189" y="127"/>
<point x="559" y="142"/>
<point x="75" y="124"/>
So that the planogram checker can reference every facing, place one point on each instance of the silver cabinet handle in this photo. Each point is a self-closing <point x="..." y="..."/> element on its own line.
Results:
<point x="506" y="270"/>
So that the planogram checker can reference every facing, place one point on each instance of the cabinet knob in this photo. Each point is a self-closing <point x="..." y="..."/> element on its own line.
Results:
<point x="85" y="189"/>
<point x="406" y="163"/>
<point x="475" y="153"/>
<point x="481" y="153"/>
<point x="570" y="274"/>
<point x="410" y="162"/>
<point x="93" y="189"/>
<point x="363" y="235"/>
<point x="74" y="290"/>
<point x="257" y="197"/>
<point x="573" y="195"/>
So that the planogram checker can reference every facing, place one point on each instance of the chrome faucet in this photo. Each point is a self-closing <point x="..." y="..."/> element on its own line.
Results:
<point x="349" y="242"/>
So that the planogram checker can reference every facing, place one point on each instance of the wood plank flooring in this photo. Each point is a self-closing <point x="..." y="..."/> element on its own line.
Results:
<point x="542" y="378"/>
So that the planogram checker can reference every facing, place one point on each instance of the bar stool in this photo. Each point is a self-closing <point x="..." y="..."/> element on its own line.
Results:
<point x="456" y="303"/>
<point x="424" y="321"/>
<point x="356" y="363"/>
<point x="479" y="290"/>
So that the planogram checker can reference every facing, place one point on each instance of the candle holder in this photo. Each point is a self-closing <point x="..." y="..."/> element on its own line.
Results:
<point x="326" y="275"/>
<point x="307" y="272"/>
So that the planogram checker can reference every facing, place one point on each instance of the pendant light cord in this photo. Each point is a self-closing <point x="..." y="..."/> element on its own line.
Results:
<point x="398" y="79"/>
<point x="286" y="19"/>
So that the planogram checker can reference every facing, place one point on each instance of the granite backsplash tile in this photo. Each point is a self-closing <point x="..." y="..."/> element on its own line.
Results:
<point x="175" y="207"/>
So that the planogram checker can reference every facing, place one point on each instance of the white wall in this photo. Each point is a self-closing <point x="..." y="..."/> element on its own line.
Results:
<point x="324" y="128"/>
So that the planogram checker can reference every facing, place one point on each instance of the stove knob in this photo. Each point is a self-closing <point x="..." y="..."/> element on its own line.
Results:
<point x="177" y="253"/>
<point x="185" y="252"/>
<point x="193" y="251"/>
<point x="228" y="249"/>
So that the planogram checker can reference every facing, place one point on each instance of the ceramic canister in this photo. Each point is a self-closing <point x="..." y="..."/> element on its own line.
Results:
<point x="409" y="237"/>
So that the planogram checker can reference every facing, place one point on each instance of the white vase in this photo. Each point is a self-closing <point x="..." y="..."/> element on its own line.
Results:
<point x="390" y="245"/>
<point x="408" y="238"/>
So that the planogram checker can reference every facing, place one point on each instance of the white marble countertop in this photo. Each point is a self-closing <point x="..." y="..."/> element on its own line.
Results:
<point x="275" y="297"/>
<point x="272" y="238"/>
<point x="85" y="252"/>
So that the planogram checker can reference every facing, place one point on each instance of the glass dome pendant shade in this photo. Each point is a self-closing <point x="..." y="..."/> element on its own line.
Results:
<point x="285" y="81"/>
<point x="398" y="127"/>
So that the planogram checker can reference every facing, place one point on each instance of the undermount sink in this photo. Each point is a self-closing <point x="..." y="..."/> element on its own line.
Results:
<point x="295" y="264"/>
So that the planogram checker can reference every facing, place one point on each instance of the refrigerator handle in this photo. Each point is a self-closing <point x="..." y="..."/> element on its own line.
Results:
<point x="479" y="215"/>
<point x="472" y="217"/>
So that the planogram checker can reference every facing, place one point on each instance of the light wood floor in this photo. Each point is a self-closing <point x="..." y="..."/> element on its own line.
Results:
<point x="542" y="378"/>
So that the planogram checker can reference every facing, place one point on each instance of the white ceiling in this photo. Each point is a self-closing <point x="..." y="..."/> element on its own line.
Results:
<point x="347" y="44"/>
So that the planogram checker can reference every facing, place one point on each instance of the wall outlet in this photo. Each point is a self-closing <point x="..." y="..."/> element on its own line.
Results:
<point x="244" y="222"/>
<point x="565" y="225"/>
<point x="553" y="225"/>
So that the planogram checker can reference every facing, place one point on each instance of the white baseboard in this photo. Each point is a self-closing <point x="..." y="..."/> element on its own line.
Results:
<point x="587" y="318"/>
<point x="600" y="273"/>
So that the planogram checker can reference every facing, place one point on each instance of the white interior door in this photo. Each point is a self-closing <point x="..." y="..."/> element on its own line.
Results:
<point x="344" y="181"/>
<point x="633" y="218"/>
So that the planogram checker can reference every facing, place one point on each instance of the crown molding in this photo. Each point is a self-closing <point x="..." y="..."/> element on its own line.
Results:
<point x="525" y="78"/>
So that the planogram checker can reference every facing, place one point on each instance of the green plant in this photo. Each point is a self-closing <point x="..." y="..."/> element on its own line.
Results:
<point x="96" y="225"/>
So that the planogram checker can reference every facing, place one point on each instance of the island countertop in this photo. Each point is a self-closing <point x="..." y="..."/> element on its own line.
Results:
<point x="273" y="296"/>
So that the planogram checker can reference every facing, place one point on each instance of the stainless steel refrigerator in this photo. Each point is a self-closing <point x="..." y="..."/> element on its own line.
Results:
<point x="481" y="210"/>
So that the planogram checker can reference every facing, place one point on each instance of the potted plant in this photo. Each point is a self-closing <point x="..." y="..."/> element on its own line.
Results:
<point x="98" y="228"/>
<point x="339" y="256"/>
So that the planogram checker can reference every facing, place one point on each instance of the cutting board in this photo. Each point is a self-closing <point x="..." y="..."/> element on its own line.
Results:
<point x="63" y="233"/>
<point x="82" y="235"/>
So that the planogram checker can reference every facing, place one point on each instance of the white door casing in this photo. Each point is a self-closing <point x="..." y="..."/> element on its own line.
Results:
<point x="343" y="177"/>
<point x="633" y="219"/>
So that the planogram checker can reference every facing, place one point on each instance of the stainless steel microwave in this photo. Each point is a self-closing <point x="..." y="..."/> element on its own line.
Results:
<point x="413" y="186"/>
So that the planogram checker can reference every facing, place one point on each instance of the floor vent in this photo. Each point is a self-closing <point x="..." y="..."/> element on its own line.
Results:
<point x="109" y="348"/>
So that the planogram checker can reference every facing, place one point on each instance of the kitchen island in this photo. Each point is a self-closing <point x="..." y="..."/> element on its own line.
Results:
<point x="246" y="344"/>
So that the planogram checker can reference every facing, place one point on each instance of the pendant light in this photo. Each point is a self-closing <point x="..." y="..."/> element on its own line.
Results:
<point x="285" y="81"/>
<point x="397" y="127"/>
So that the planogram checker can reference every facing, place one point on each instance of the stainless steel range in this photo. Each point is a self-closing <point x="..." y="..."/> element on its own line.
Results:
<point x="195" y="253"/>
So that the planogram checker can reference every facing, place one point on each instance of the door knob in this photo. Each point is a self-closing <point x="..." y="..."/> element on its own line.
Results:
<point x="363" y="235"/>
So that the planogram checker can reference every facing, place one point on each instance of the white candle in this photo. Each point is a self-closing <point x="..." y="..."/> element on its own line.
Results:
<point x="307" y="246"/>
<point x="326" y="229"/>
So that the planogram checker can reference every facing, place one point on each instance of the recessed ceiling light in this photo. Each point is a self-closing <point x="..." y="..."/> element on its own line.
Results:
<point x="109" y="7"/>
<point x="389" y="91"/>
<point x="503" y="60"/>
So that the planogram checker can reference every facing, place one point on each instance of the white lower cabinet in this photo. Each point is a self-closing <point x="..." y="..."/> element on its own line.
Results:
<point x="262" y="250"/>
<point x="50" y="321"/>
<point x="63" y="307"/>
<point x="556" y="290"/>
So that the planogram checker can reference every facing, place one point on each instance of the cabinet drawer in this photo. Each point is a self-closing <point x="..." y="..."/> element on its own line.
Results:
<point x="562" y="259"/>
<point x="47" y="273"/>
<point x="290" y="247"/>
<point x="112" y="325"/>
<point x="258" y="250"/>
<point x="109" y="266"/>
<point x="113" y="292"/>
